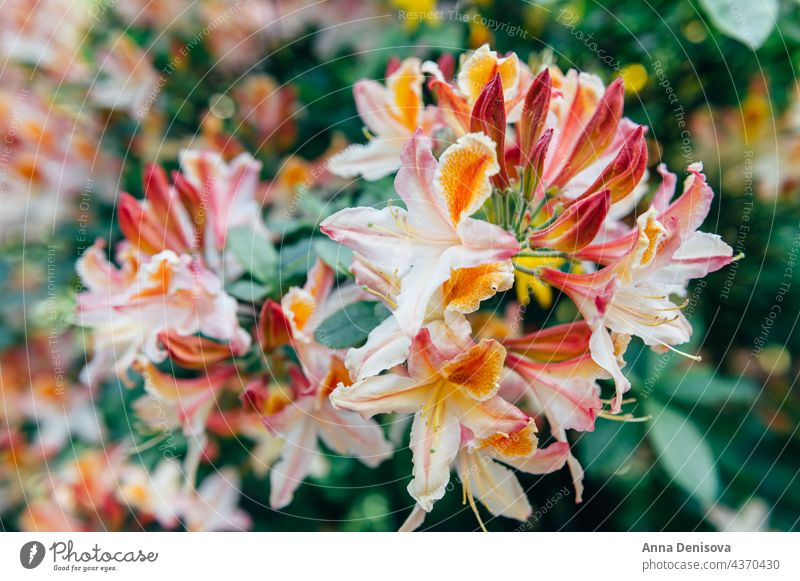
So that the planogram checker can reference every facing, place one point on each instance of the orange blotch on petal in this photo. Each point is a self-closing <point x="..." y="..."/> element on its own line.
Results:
<point x="481" y="67"/>
<point x="477" y="371"/>
<point x="464" y="173"/>
<point x="336" y="374"/>
<point x="299" y="306"/>
<point x="158" y="281"/>
<point x="467" y="287"/>
<point x="405" y="87"/>
<point x="651" y="237"/>
<point x="520" y="444"/>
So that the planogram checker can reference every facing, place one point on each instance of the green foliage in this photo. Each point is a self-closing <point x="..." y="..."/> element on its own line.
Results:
<point x="683" y="452"/>
<point x="349" y="327"/>
<point x="256" y="255"/>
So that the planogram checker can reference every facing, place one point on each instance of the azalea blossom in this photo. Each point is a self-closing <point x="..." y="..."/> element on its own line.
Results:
<point x="303" y="417"/>
<point x="392" y="113"/>
<point x="50" y="37"/>
<point x="435" y="235"/>
<point x="388" y="344"/>
<point x="126" y="78"/>
<point x="485" y="469"/>
<point x="268" y="108"/>
<point x="302" y="414"/>
<point x="457" y="98"/>
<point x="630" y="296"/>
<point x="444" y="395"/>
<point x="214" y="507"/>
<point x="50" y="157"/>
<point x="153" y="494"/>
<point x="551" y="373"/>
<point x="79" y="494"/>
<point x="209" y="197"/>
<point x="127" y="307"/>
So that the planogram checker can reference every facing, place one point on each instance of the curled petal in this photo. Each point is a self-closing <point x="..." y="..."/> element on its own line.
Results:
<point x="489" y="117"/>
<point x="349" y="433"/>
<point x="623" y="174"/>
<point x="273" y="328"/>
<point x="553" y="344"/>
<point x="597" y="135"/>
<point x="534" y="114"/>
<point x="381" y="394"/>
<point x="194" y="352"/>
<point x="567" y="392"/>
<point x="492" y="416"/>
<point x="297" y="457"/>
<point x="497" y="488"/>
<point x="454" y="108"/>
<point x="577" y="226"/>
<point x="468" y="287"/>
<point x="543" y="460"/>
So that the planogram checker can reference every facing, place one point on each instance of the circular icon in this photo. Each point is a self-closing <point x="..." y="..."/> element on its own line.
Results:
<point x="31" y="554"/>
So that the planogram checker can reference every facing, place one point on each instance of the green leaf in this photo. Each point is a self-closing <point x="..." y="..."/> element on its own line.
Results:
<point x="350" y="326"/>
<point x="249" y="291"/>
<point x="335" y="255"/>
<point x="683" y="452"/>
<point x="255" y="253"/>
<point x="748" y="21"/>
<point x="701" y="385"/>
<point x="611" y="450"/>
<point x="296" y="260"/>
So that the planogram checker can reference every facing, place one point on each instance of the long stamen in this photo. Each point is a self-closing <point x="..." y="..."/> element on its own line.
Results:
<point x="650" y="320"/>
<point x="673" y="349"/>
<point x="679" y="307"/>
<point x="622" y="417"/>
<point x="380" y="296"/>
<point x="468" y="494"/>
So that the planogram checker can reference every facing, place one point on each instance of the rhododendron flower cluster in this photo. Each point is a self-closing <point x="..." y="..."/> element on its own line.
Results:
<point x="535" y="166"/>
<point x="509" y="177"/>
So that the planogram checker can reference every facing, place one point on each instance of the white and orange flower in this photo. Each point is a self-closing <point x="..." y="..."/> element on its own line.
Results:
<point x="392" y="113"/>
<point x="630" y="296"/>
<point x="209" y="197"/>
<point x="302" y="415"/>
<point x="388" y="344"/>
<point x="444" y="394"/>
<point x="127" y="308"/>
<point x="126" y="78"/>
<point x="435" y="235"/>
